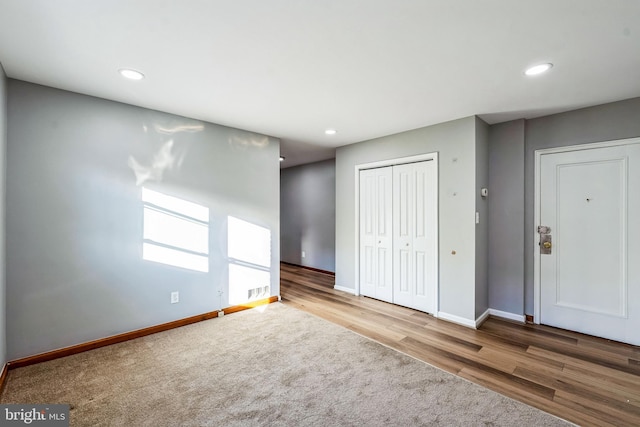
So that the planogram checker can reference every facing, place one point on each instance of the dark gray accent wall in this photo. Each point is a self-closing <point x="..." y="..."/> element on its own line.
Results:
<point x="506" y="217"/>
<point x="75" y="167"/>
<point x="482" y="208"/>
<point x="3" y="198"/>
<point x="308" y="214"/>
<point x="617" y="120"/>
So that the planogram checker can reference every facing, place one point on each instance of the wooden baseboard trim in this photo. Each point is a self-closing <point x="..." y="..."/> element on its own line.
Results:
<point x="249" y="305"/>
<point x="331" y="273"/>
<point x="3" y="376"/>
<point x="103" y="342"/>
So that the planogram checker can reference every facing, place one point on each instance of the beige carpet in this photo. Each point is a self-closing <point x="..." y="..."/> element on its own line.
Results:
<point x="269" y="366"/>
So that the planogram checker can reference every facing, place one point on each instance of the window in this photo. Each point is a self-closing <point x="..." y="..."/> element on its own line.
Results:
<point x="249" y="252"/>
<point x="176" y="231"/>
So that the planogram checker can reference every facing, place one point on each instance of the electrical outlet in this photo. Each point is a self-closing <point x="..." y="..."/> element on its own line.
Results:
<point x="303" y="254"/>
<point x="175" y="297"/>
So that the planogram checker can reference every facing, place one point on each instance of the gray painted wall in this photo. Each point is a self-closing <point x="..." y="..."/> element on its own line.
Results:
<point x="617" y="120"/>
<point x="506" y="217"/>
<point x="308" y="214"/>
<point x="74" y="214"/>
<point x="482" y="207"/>
<point x="455" y="143"/>
<point x="3" y="198"/>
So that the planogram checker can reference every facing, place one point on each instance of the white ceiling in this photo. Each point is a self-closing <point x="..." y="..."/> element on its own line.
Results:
<point x="292" y="68"/>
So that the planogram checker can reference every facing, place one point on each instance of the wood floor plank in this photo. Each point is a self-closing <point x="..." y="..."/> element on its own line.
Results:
<point x="595" y="396"/>
<point x="553" y="407"/>
<point x="590" y="365"/>
<point x="631" y="351"/>
<point x="625" y="383"/>
<point x="416" y="349"/>
<point x="585" y="406"/>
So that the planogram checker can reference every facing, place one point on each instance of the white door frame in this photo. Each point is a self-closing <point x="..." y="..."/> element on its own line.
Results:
<point x="537" y="201"/>
<point x="393" y="162"/>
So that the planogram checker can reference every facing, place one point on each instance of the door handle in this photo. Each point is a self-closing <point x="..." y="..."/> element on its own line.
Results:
<point x="547" y="245"/>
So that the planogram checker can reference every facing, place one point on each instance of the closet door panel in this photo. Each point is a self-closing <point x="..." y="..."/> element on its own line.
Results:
<point x="403" y="265"/>
<point x="376" y="233"/>
<point x="368" y="269"/>
<point x="414" y="235"/>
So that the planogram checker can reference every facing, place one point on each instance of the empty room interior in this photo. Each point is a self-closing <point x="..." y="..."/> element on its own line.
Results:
<point x="338" y="212"/>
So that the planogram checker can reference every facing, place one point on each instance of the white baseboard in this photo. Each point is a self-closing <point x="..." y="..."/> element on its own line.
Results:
<point x="509" y="316"/>
<point x="484" y="316"/>
<point x="456" y="319"/>
<point x="343" y="289"/>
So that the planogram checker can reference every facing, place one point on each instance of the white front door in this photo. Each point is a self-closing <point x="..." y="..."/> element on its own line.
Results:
<point x="414" y="235"/>
<point x="590" y="201"/>
<point x="376" y="233"/>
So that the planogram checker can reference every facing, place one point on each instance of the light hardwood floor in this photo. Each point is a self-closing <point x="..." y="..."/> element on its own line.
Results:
<point x="586" y="380"/>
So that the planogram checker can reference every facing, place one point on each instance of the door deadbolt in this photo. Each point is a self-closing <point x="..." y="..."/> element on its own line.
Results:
<point x="545" y="244"/>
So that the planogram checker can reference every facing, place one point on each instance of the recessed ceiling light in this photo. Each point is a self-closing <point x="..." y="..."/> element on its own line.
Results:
<point x="330" y="131"/>
<point x="131" y="74"/>
<point x="282" y="158"/>
<point x="538" y="69"/>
